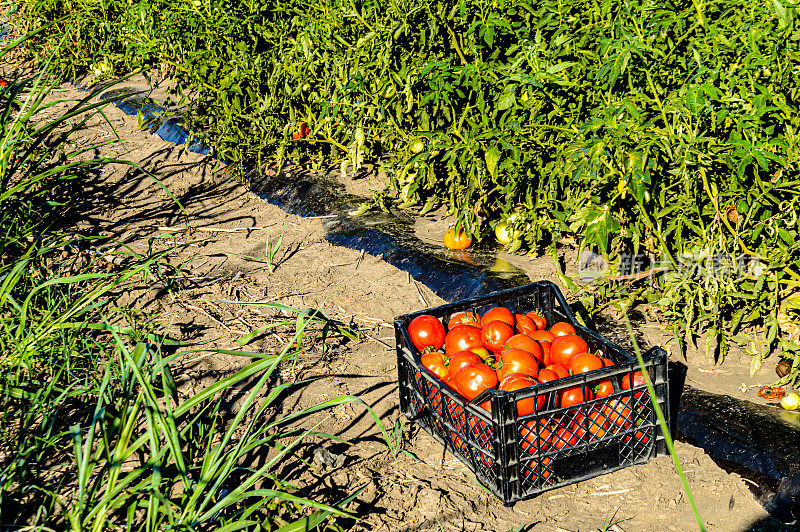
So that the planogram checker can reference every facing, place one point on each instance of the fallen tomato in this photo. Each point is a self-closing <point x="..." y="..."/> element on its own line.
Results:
<point x="771" y="393"/>
<point x="457" y="241"/>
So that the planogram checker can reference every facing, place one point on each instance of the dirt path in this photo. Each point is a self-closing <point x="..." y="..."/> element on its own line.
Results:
<point x="434" y="492"/>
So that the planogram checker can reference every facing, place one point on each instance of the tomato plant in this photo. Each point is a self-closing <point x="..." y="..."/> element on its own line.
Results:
<point x="426" y="332"/>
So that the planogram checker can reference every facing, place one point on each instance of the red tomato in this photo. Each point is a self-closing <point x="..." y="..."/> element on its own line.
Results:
<point x="563" y="437"/>
<point x="618" y="413"/>
<point x="462" y="338"/>
<point x="435" y="364"/>
<point x="602" y="388"/>
<point x="545" y="339"/>
<point x="566" y="347"/>
<point x="607" y="362"/>
<point x="426" y="332"/>
<point x="461" y="359"/>
<point x="517" y="361"/>
<point x="543" y="336"/>
<point x="473" y="379"/>
<point x="596" y="425"/>
<point x="584" y="362"/>
<point x="574" y="395"/>
<point x="547" y="375"/>
<point x="518" y="381"/>
<point x="457" y="241"/>
<point x="562" y="328"/>
<point x="464" y="318"/>
<point x="498" y="313"/>
<point x="638" y="380"/>
<point x="538" y="320"/>
<point x="559" y="370"/>
<point x="526" y="343"/>
<point x="482" y="352"/>
<point x="536" y="436"/>
<point x="495" y="335"/>
<point x="301" y="131"/>
<point x="524" y="324"/>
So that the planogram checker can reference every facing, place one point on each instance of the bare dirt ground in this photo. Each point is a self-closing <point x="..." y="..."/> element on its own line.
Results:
<point x="432" y="492"/>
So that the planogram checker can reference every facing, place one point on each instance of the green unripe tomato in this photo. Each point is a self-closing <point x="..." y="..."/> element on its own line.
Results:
<point x="505" y="234"/>
<point x="791" y="401"/>
<point x="417" y="146"/>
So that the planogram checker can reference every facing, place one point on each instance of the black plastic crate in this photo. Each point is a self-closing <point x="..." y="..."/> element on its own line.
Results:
<point x="519" y="457"/>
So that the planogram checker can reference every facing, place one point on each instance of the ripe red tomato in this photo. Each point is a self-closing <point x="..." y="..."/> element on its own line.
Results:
<point x="565" y="347"/>
<point x="473" y="379"/>
<point x="602" y="388"/>
<point x="435" y="363"/>
<point x="596" y="425"/>
<point x="518" y="381"/>
<point x="526" y="343"/>
<point x="495" y="335"/>
<point x="301" y="131"/>
<point x="457" y="241"/>
<point x="547" y="375"/>
<point x="482" y="352"/>
<point x="426" y="332"/>
<point x="559" y="370"/>
<point x="607" y="362"/>
<point x="464" y="318"/>
<point x="517" y="361"/>
<point x="536" y="435"/>
<point x="461" y="359"/>
<point x="545" y="339"/>
<point x="543" y="336"/>
<point x="618" y="412"/>
<point x="524" y="324"/>
<point x="574" y="395"/>
<point x="562" y="328"/>
<point x="462" y="338"/>
<point x="498" y="313"/>
<point x="584" y="362"/>
<point x="638" y="380"/>
<point x="538" y="319"/>
<point x="563" y="437"/>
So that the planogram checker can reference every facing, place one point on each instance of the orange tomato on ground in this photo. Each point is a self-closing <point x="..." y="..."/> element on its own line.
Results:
<point x="460" y="240"/>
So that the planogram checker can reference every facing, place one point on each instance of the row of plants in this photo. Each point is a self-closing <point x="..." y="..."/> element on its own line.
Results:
<point x="665" y="131"/>
<point x="94" y="432"/>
